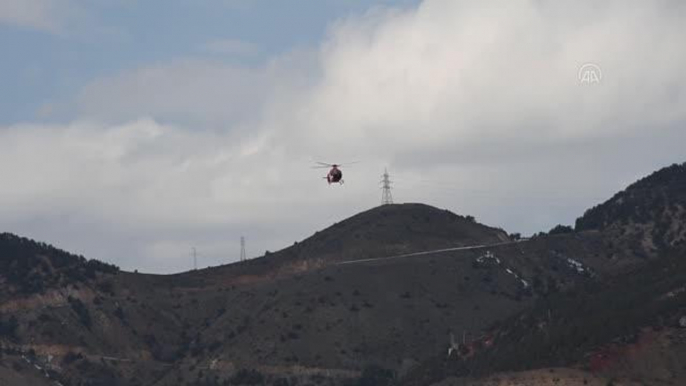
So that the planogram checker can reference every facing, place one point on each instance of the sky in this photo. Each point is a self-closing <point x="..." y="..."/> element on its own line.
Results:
<point x="133" y="131"/>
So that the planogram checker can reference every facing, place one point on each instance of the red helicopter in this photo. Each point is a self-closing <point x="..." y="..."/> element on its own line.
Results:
<point x="335" y="173"/>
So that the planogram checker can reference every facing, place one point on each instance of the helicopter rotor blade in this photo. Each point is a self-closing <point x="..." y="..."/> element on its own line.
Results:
<point x="349" y="163"/>
<point x="322" y="165"/>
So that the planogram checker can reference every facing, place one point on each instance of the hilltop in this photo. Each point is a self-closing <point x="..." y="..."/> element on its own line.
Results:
<point x="31" y="267"/>
<point x="396" y="229"/>
<point x="385" y="230"/>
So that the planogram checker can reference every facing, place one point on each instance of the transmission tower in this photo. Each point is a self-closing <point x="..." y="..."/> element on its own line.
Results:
<point x="194" y="253"/>
<point x="242" y="248"/>
<point x="386" y="196"/>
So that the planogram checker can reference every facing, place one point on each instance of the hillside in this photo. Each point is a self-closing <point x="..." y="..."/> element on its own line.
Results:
<point x="391" y="313"/>
<point x="65" y="315"/>
<point x="30" y="267"/>
<point x="624" y="329"/>
<point x="646" y="218"/>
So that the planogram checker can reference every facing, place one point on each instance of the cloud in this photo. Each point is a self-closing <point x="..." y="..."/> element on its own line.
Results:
<point x="185" y="90"/>
<point x="191" y="91"/>
<point x="457" y="73"/>
<point x="45" y="15"/>
<point x="476" y="107"/>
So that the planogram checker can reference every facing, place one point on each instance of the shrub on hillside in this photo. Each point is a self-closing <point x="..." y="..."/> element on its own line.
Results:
<point x="81" y="311"/>
<point x="561" y="229"/>
<point x="8" y="327"/>
<point x="373" y="375"/>
<point x="247" y="377"/>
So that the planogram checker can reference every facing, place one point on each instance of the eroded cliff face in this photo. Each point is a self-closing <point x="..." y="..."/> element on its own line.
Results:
<point x="49" y="299"/>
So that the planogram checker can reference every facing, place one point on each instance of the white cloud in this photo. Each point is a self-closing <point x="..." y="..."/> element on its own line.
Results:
<point x="190" y="91"/>
<point x="144" y="172"/>
<point x="474" y="106"/>
<point x="458" y="72"/>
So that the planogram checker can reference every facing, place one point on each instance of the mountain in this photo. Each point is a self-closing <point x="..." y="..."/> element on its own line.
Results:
<point x="272" y="311"/>
<point x="349" y="306"/>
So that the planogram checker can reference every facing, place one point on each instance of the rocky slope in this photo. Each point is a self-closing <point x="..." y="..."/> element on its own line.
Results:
<point x="646" y="218"/>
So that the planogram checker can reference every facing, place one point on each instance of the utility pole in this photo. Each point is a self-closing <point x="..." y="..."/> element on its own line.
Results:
<point x="195" y="258"/>
<point x="242" y="258"/>
<point x="386" y="196"/>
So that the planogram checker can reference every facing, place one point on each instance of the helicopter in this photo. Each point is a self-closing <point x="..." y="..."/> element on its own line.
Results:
<point x="335" y="174"/>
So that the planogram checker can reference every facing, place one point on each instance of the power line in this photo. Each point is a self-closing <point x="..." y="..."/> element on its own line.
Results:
<point x="432" y="252"/>
<point x="386" y="196"/>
